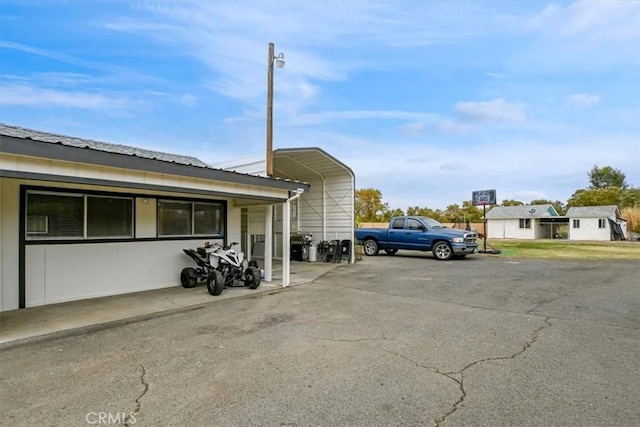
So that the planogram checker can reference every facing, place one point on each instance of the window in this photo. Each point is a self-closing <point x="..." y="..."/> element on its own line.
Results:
<point x="525" y="223"/>
<point x="576" y="223"/>
<point x="602" y="223"/>
<point x="109" y="216"/>
<point x="180" y="218"/>
<point x="398" y="224"/>
<point x="414" y="224"/>
<point x="53" y="215"/>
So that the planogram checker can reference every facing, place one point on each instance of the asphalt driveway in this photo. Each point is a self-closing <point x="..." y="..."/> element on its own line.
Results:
<point x="403" y="340"/>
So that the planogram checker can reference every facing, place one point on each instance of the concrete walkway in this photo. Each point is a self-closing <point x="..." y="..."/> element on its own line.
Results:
<point x="59" y="319"/>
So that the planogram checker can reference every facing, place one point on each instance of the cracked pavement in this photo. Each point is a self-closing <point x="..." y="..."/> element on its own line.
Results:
<point x="389" y="341"/>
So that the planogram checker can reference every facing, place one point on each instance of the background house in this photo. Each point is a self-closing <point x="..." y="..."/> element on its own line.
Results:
<point x="596" y="223"/>
<point x="522" y="222"/>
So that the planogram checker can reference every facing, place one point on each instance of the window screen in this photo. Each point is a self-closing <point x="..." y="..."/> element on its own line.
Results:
<point x="55" y="216"/>
<point x="109" y="216"/>
<point x="207" y="218"/>
<point x="67" y="216"/>
<point x="174" y="218"/>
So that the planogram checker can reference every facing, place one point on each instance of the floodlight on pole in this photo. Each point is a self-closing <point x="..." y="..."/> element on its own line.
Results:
<point x="279" y="61"/>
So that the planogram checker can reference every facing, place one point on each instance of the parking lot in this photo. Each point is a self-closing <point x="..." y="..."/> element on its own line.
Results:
<point x="392" y="340"/>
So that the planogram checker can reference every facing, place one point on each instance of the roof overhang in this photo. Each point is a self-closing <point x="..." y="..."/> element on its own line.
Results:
<point x="55" y="151"/>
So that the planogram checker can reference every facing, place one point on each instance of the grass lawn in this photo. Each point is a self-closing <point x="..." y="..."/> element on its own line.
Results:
<point x="563" y="249"/>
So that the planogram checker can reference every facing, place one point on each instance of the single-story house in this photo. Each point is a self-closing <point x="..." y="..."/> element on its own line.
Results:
<point x="521" y="222"/>
<point x="81" y="218"/>
<point x="596" y="223"/>
<point x="543" y="222"/>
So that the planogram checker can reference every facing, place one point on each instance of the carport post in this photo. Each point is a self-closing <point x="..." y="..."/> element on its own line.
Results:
<point x="286" y="242"/>
<point x="268" y="244"/>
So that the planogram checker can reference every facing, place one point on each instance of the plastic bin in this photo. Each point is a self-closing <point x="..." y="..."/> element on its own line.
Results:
<point x="333" y="251"/>
<point x="313" y="253"/>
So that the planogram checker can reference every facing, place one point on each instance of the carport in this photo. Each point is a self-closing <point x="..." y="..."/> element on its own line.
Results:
<point x="325" y="212"/>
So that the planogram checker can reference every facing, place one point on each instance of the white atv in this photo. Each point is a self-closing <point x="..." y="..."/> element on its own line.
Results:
<point x="221" y="267"/>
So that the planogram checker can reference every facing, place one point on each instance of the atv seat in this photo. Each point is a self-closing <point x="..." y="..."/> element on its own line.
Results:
<point x="202" y="262"/>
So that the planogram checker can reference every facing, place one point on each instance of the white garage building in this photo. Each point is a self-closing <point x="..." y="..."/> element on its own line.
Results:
<point x="81" y="218"/>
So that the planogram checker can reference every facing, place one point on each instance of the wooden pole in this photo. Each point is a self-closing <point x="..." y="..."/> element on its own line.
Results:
<point x="269" y="153"/>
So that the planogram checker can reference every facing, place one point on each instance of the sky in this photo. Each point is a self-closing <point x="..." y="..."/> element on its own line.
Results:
<point x="426" y="101"/>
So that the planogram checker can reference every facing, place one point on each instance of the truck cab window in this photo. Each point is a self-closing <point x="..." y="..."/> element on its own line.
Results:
<point x="414" y="224"/>
<point x="398" y="224"/>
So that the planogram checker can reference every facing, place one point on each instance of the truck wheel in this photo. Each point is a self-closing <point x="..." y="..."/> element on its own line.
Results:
<point x="215" y="283"/>
<point x="188" y="277"/>
<point x="442" y="251"/>
<point x="371" y="247"/>
<point x="391" y="251"/>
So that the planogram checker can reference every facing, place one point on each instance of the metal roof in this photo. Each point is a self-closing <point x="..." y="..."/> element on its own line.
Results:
<point x="28" y="142"/>
<point x="609" y="211"/>
<point x="307" y="163"/>
<point x="525" y="211"/>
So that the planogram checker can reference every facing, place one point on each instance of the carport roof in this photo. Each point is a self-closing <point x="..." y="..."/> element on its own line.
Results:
<point x="305" y="163"/>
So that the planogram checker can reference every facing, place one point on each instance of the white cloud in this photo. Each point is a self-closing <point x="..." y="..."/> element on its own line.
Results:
<point x="329" y="116"/>
<point x="582" y="100"/>
<point x="413" y="129"/>
<point x="496" y="110"/>
<point x="453" y="127"/>
<point x="602" y="20"/>
<point x="22" y="95"/>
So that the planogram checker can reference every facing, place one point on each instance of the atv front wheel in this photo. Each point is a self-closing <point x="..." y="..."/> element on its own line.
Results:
<point x="215" y="283"/>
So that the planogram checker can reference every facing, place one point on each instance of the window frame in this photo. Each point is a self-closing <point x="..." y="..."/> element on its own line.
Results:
<point x="575" y="223"/>
<point x="33" y="236"/>
<point x="525" y="223"/>
<point x="602" y="223"/>
<point x="192" y="202"/>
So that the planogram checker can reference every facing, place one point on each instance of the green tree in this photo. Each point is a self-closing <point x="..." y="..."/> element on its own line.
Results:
<point x="387" y="215"/>
<point x="512" y="203"/>
<point x="596" y="197"/>
<point x="606" y="177"/>
<point x="431" y="213"/>
<point x="368" y="204"/>
<point x="630" y="198"/>
<point x="558" y="205"/>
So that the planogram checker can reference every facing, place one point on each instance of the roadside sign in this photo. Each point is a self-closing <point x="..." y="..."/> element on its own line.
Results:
<point x="483" y="197"/>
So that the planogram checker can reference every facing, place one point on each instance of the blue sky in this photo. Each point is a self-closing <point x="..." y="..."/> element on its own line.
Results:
<point x="425" y="100"/>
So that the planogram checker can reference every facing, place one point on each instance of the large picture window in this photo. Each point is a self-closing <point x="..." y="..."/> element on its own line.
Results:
<point x="180" y="218"/>
<point x="77" y="216"/>
<point x="109" y="216"/>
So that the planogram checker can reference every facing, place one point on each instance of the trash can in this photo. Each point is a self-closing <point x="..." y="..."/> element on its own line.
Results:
<point x="313" y="253"/>
<point x="323" y="249"/>
<point x="345" y="250"/>
<point x="333" y="251"/>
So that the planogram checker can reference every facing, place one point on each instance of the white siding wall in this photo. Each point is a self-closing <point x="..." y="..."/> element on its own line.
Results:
<point x="64" y="272"/>
<point x="57" y="273"/>
<point x="589" y="230"/>
<point x="9" y="242"/>
<point x="509" y="229"/>
<point x="338" y="205"/>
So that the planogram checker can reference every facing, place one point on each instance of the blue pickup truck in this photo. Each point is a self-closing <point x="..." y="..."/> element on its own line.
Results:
<point x="418" y="233"/>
